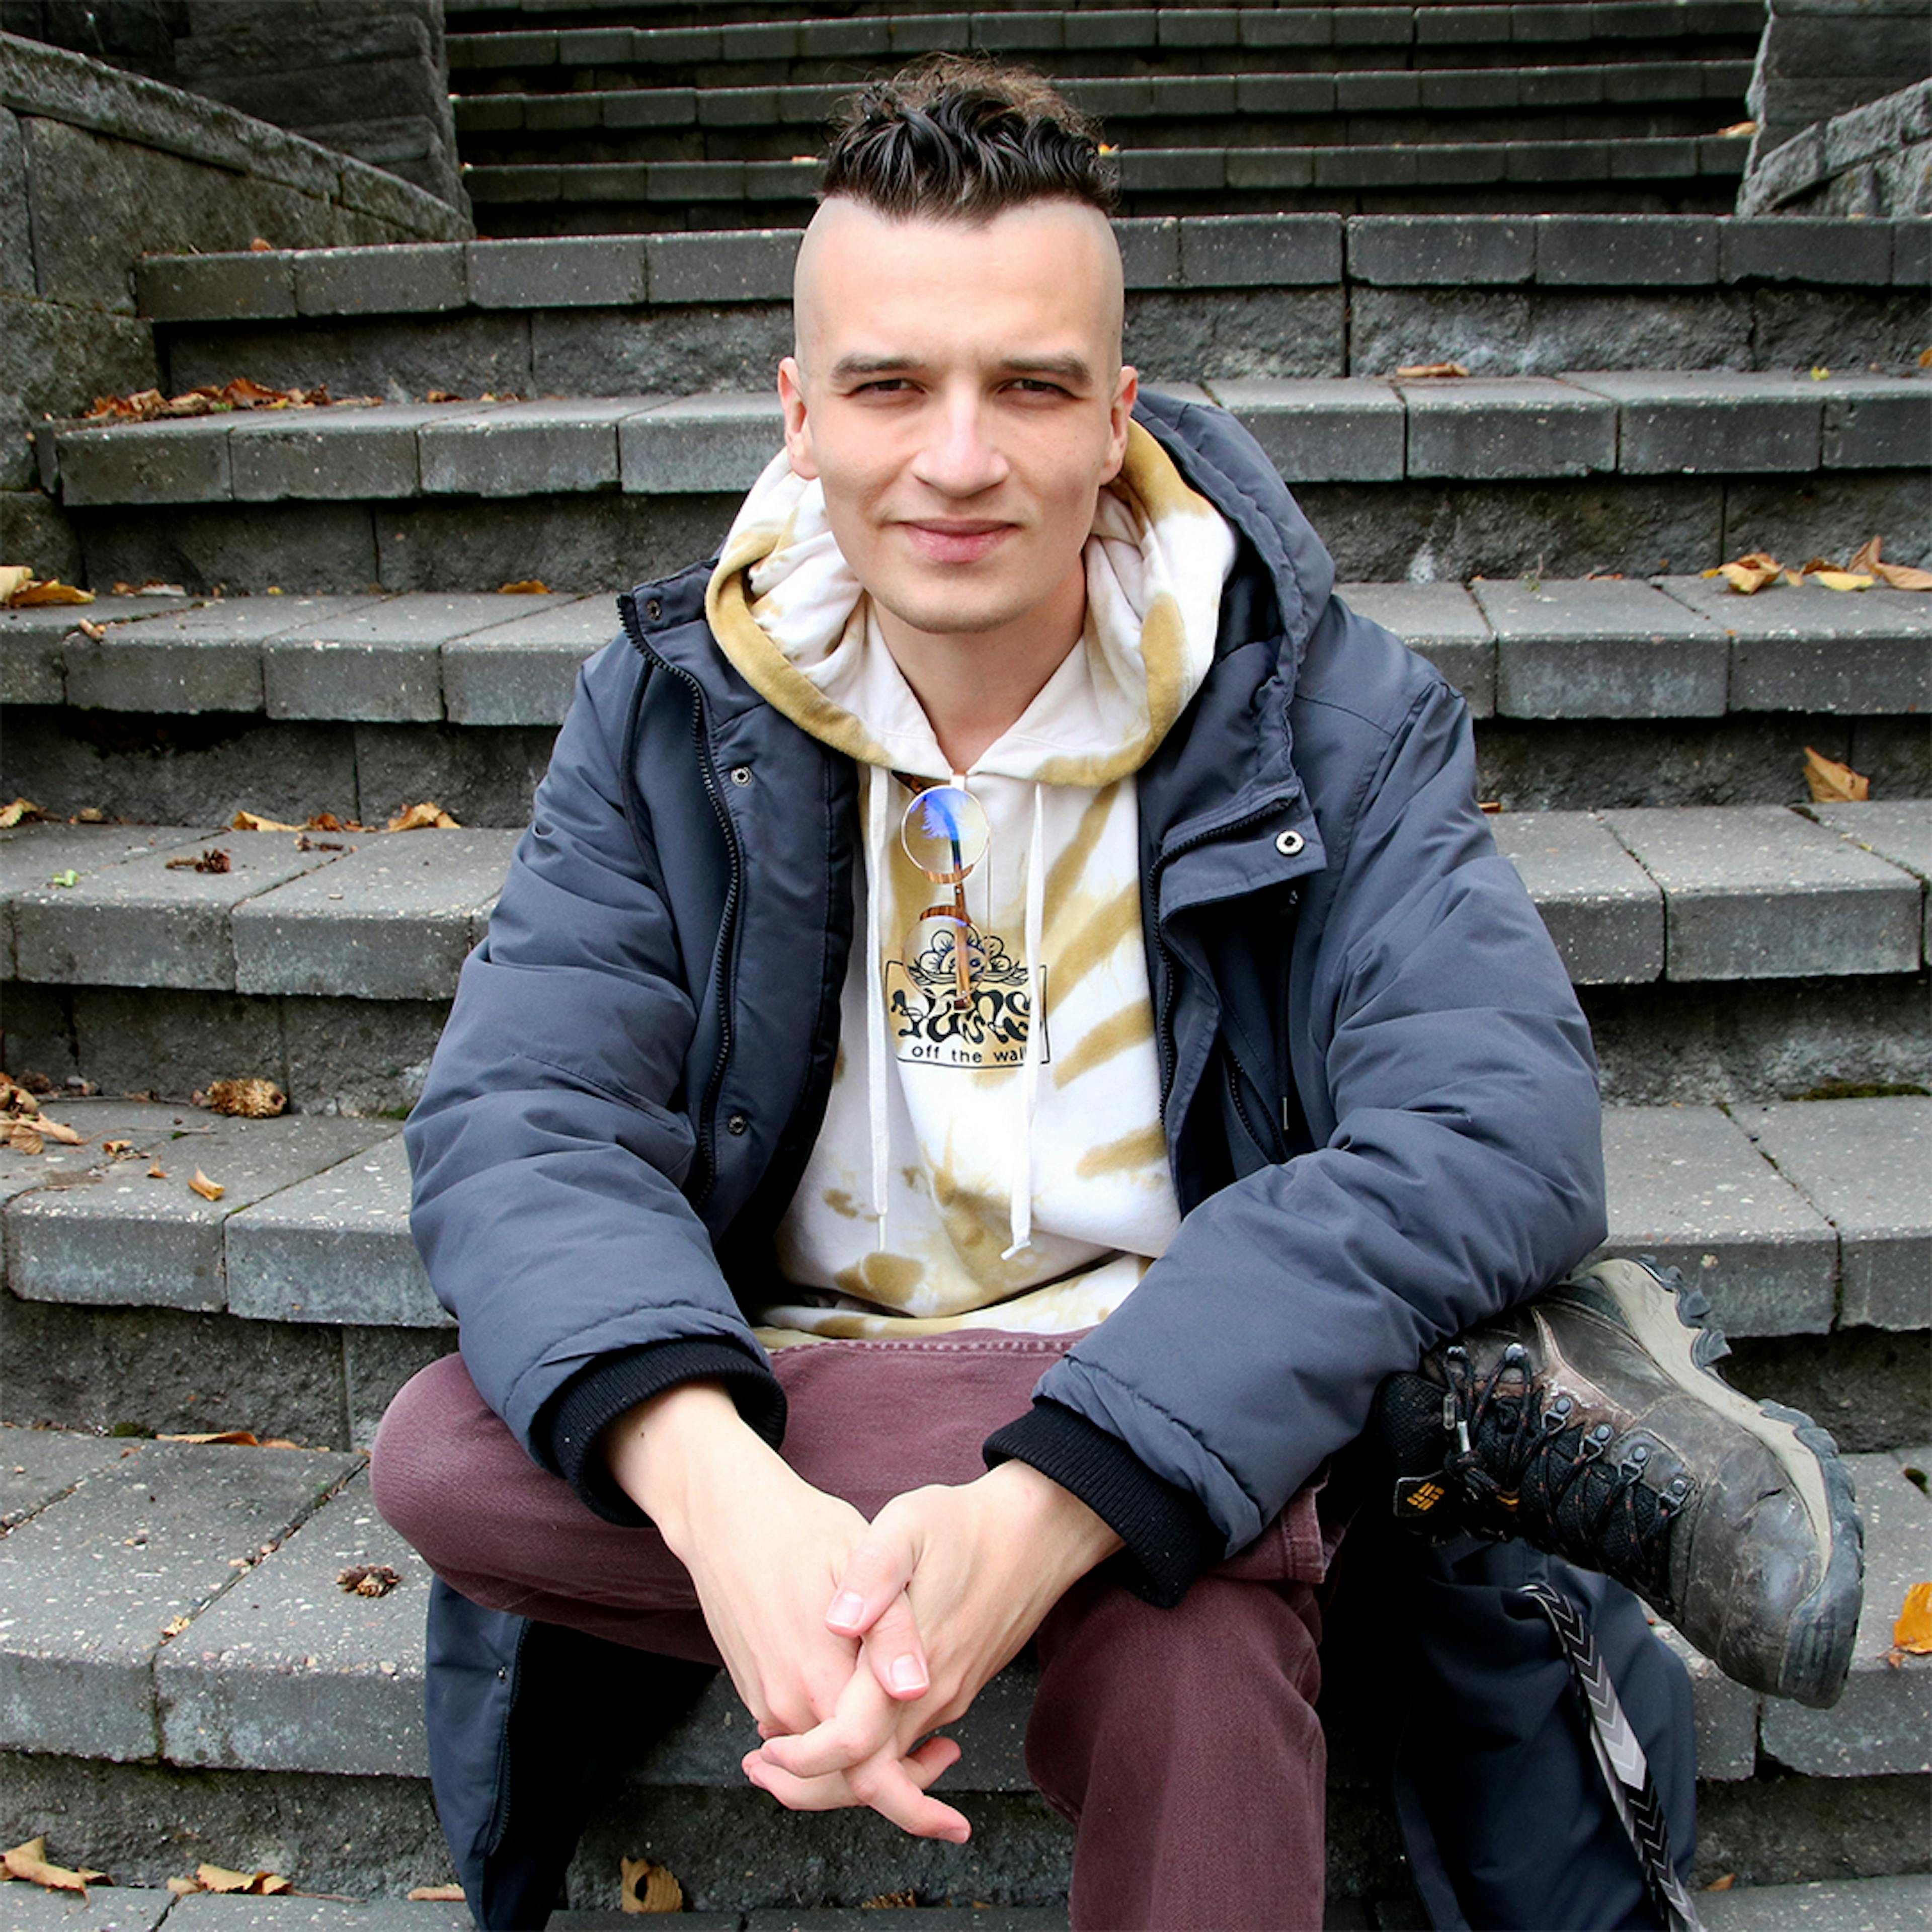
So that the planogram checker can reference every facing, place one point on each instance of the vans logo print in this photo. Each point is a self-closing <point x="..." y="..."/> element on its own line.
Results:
<point x="929" y="1027"/>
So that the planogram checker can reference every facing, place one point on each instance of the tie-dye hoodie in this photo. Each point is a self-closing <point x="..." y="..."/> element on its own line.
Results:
<point x="1004" y="1167"/>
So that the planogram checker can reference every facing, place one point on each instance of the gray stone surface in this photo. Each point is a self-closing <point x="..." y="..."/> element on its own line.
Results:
<point x="750" y="264"/>
<point x="1601" y="648"/>
<point x="376" y="1362"/>
<point x="392" y="920"/>
<point x="1884" y="1721"/>
<point x="93" y="1585"/>
<point x="528" y="448"/>
<point x="1603" y="250"/>
<point x="1506" y="426"/>
<point x="213" y="1911"/>
<point x="130" y="1239"/>
<point x="144" y="921"/>
<point x="183" y="462"/>
<point x="1756" y="892"/>
<point x="1676" y="424"/>
<point x="1444" y="623"/>
<point x="1866" y="1166"/>
<point x="411" y="278"/>
<point x="1686" y="1186"/>
<point x="223" y="287"/>
<point x="586" y="271"/>
<point x="1900" y="830"/>
<point x="31" y="857"/>
<point x="335" y="1248"/>
<point x="1452" y="250"/>
<point x="346" y="454"/>
<point x="705" y="443"/>
<point x="32" y="665"/>
<point x="1724" y="1713"/>
<point x="375" y="661"/>
<point x="115" y="1908"/>
<point x="1790" y="248"/>
<point x="38" y="1466"/>
<point x="288" y="1672"/>
<point x="1321" y="430"/>
<point x="1808" y="649"/>
<point x="1605" y="912"/>
<point x="1846" y="1905"/>
<point x="524" y="671"/>
<point x="1265" y="250"/>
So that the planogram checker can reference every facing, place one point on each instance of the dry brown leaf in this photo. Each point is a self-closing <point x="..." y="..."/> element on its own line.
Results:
<point x="29" y="1862"/>
<point x="1420" y="371"/>
<point x="1750" y="573"/>
<point x="1899" y="576"/>
<point x="10" y="815"/>
<point x="1832" y="783"/>
<point x="253" y="821"/>
<point x="50" y="591"/>
<point x="1925" y="358"/>
<point x="1723" y="1884"/>
<point x="251" y="1099"/>
<point x="174" y="1627"/>
<point x="24" y="1138"/>
<point x="650" y="1887"/>
<point x="435" y="1894"/>
<point x="212" y="860"/>
<point x="1737" y="130"/>
<point x="327" y="821"/>
<point x="13" y="577"/>
<point x="368" y="1580"/>
<point x="262" y="1884"/>
<point x="118" y="1150"/>
<point x="212" y="399"/>
<point x="157" y="1172"/>
<point x="1912" y="1632"/>
<point x="208" y="1190"/>
<point x="429" y="816"/>
<point x="244" y="1438"/>
<point x="56" y="1130"/>
<point x="260" y="245"/>
<point x="181" y="1887"/>
<point x="524" y="586"/>
<point x="1839" y="580"/>
<point x="887" y="1901"/>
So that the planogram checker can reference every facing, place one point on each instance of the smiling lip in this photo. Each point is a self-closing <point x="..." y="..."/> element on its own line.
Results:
<point x="956" y="542"/>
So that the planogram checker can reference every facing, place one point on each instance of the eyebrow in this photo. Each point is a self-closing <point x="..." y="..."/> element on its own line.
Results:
<point x="1073" y="369"/>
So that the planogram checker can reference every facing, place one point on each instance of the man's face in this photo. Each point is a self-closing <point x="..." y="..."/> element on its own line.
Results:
<point x="957" y="390"/>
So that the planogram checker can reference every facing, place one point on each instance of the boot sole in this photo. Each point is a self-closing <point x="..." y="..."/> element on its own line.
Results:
<point x="1668" y="1318"/>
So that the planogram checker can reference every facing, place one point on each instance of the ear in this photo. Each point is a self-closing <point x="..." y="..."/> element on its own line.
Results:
<point x="797" y="429"/>
<point x="1120" y="413"/>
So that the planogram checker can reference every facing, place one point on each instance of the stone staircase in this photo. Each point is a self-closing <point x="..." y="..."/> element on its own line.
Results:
<point x="1650" y="394"/>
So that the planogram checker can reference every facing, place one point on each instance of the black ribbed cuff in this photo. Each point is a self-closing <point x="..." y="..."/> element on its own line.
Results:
<point x="594" y="1398"/>
<point x="1170" y="1539"/>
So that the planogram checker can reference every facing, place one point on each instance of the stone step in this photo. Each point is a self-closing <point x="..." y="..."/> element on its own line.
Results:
<point x="295" y="1304"/>
<point x="211" y="1642"/>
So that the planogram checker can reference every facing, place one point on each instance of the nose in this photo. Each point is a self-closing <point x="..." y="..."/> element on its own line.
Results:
<point x="959" y="458"/>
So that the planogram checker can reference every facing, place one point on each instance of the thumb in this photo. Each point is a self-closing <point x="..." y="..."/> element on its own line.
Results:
<point x="876" y="1572"/>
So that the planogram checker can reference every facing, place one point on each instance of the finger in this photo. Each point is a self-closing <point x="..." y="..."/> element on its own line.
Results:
<point x="861" y="1724"/>
<point x="878" y="1569"/>
<point x="893" y="1787"/>
<point x="897" y="1657"/>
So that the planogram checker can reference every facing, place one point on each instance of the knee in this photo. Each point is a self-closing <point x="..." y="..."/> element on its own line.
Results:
<point x="422" y="1481"/>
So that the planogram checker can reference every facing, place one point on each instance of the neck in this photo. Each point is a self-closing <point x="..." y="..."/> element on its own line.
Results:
<point x="974" y="686"/>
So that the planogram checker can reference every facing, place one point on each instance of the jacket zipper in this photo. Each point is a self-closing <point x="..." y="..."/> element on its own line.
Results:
<point x="727" y="955"/>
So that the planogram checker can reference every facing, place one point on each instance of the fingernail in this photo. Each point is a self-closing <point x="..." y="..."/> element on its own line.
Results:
<point x="847" y="1607"/>
<point x="907" y="1675"/>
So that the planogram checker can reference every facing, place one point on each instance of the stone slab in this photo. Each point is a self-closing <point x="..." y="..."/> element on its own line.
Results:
<point x="1507" y="426"/>
<point x="32" y="662"/>
<point x="1322" y="430"/>
<point x="1804" y="648"/>
<point x="1442" y="623"/>
<point x="1757" y="892"/>
<point x="378" y="663"/>
<point x="290" y="1671"/>
<point x="1903" y="1904"/>
<point x="1866" y="1166"/>
<point x="32" y="857"/>
<point x="393" y="919"/>
<point x="1261" y="251"/>
<point x="1687" y="1187"/>
<point x="131" y="1240"/>
<point x="1698" y="423"/>
<point x="38" y="1466"/>
<point x="524" y="672"/>
<point x="1441" y="250"/>
<point x="1589" y="647"/>
<point x="707" y="442"/>
<point x="1605" y="912"/>
<point x="1875" y="421"/>
<point x="59" y="1167"/>
<point x="1610" y="250"/>
<point x="213" y="1911"/>
<point x="412" y="278"/>
<point x="525" y="449"/>
<point x="339" y="453"/>
<point x="1883" y="1722"/>
<point x="1724" y="1713"/>
<point x="576" y="271"/>
<point x="143" y="921"/>
<point x="1899" y="829"/>
<point x="184" y="462"/>
<point x="749" y="264"/>
<point x="93" y="1585"/>
<point x="335" y="1248"/>
<point x="109" y="1909"/>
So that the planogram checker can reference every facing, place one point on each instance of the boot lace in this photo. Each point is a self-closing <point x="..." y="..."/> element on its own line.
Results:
<point x="1527" y="1466"/>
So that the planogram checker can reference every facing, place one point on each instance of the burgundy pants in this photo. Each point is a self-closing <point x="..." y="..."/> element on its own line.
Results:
<point x="1181" y="1744"/>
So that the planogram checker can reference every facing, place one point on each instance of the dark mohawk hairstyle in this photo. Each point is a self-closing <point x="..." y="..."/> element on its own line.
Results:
<point x="965" y="140"/>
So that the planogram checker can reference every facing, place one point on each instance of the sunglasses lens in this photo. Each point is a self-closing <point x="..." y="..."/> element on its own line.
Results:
<point x="945" y="833"/>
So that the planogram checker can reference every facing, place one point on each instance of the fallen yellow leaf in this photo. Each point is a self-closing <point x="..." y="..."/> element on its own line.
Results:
<point x="650" y="1887"/>
<point x="426" y="1895"/>
<point x="29" y="1862"/>
<point x="1912" y="1632"/>
<point x="208" y="1190"/>
<point x="427" y="817"/>
<point x="1832" y="783"/>
<point x="1898" y="576"/>
<point x="1749" y="574"/>
<point x="524" y="586"/>
<point x="251" y="821"/>
<point x="1421" y="371"/>
<point x="51" y="591"/>
<point x="1841" y="580"/>
<point x="157" y="1172"/>
<point x="13" y="577"/>
<point x="242" y="1438"/>
<point x="10" y="815"/>
<point x="1723" y="1884"/>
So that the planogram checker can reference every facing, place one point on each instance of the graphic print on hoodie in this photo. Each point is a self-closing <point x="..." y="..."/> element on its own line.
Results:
<point x="1004" y="1167"/>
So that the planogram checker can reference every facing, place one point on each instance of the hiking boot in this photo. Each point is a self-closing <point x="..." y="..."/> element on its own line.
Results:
<point x="1590" y="1423"/>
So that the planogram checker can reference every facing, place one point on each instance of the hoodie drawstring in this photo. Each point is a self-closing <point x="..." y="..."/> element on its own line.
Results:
<point x="1019" y="1211"/>
<point x="878" y="784"/>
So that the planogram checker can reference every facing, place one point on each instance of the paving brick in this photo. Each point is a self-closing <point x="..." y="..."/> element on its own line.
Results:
<point x="129" y="1240"/>
<point x="1393" y="91"/>
<point x="212" y="288"/>
<point x="1260" y="251"/>
<point x="1756" y="892"/>
<point x="1323" y="430"/>
<point x="1792" y="248"/>
<point x="1529" y="25"/>
<point x="858" y="39"/>
<point x="1374" y="26"/>
<point x="377" y="661"/>
<point x="1724" y="1714"/>
<point x="37" y="1466"/>
<point x="1285" y="94"/>
<point x="184" y="462"/>
<point x="121" y="1909"/>
<point x="529" y="449"/>
<point x="594" y="182"/>
<point x="1863" y="1164"/>
<point x="710" y="442"/>
<point x="1616" y="250"/>
<point x="1605" y="912"/>
<point x="1671" y="424"/>
<point x="1439" y="26"/>
<point x="1875" y="422"/>
<point x="1840" y="1905"/>
<point x="1490" y="426"/>
<point x="1883" y="1722"/>
<point x="1900" y="830"/>
<point x="1602" y="648"/>
<point x="1442" y="623"/>
<point x="763" y="181"/>
<point x="676" y="47"/>
<point x="1150" y="252"/>
<point x="1465" y="90"/>
<point x="1686" y="1187"/>
<point x="1808" y="649"/>
<point x="1302" y="27"/>
<point x="91" y="1585"/>
<point x="569" y="271"/>
<point x="737" y="106"/>
<point x="1441" y="250"/>
<point x="650" y="107"/>
<point x="1911" y="254"/>
<point x="412" y="279"/>
<point x="392" y="920"/>
<point x="139" y="923"/>
<point x="339" y="454"/>
<point x="1174" y="170"/>
<point x="1560" y="86"/>
<point x="32" y="668"/>
<point x="524" y="672"/>
<point x="290" y="1671"/>
<point x="1198" y="27"/>
<point x="1270" y="167"/>
<point x="31" y="855"/>
<point x="594" y="46"/>
<point x="952" y="33"/>
<point x="335" y="1248"/>
<point x="753" y="265"/>
<point x="1544" y="163"/>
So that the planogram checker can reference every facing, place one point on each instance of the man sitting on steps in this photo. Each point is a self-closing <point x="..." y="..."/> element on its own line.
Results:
<point x="1007" y="995"/>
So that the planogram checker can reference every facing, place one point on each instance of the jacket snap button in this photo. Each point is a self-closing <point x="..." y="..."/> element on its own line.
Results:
<point x="653" y="608"/>
<point x="741" y="775"/>
<point x="1288" y="843"/>
<point x="737" y="1124"/>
